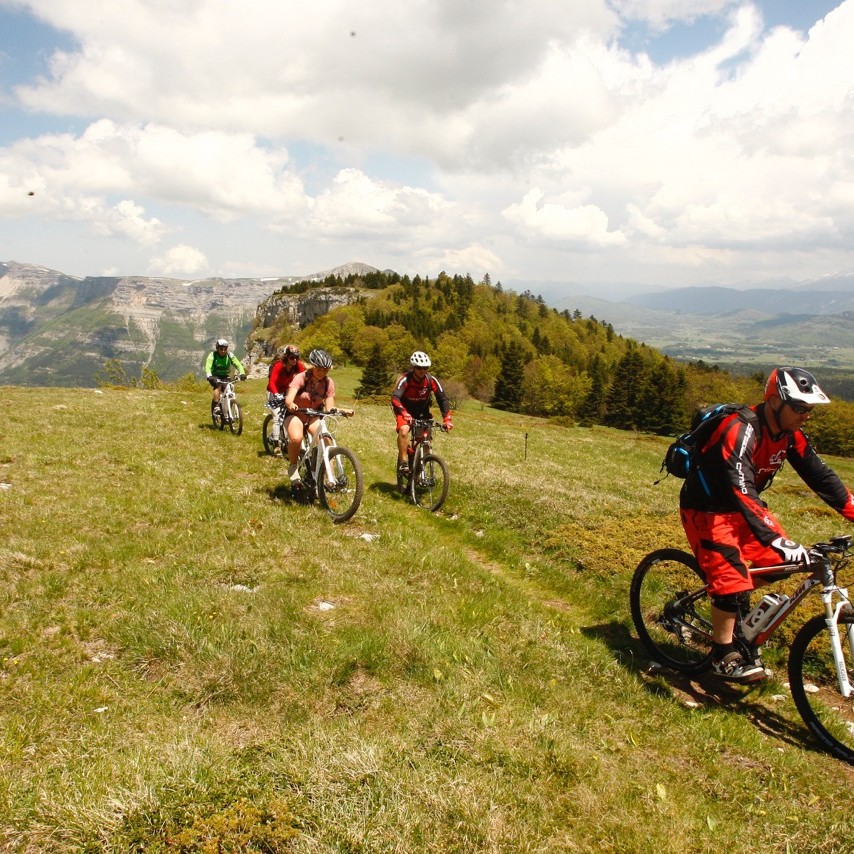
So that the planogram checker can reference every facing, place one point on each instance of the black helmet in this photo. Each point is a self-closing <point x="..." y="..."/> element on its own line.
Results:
<point x="291" y="350"/>
<point x="794" y="385"/>
<point x="320" y="359"/>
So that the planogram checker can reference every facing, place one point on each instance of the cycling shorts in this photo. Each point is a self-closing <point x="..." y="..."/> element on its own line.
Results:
<point x="725" y="547"/>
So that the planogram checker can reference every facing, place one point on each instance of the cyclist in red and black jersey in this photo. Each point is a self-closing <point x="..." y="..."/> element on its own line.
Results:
<point x="729" y="526"/>
<point x="411" y="399"/>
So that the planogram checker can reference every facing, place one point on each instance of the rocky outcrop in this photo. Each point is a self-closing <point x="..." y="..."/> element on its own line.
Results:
<point x="302" y="309"/>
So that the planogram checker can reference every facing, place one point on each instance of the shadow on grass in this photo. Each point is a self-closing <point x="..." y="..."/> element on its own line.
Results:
<point x="704" y="690"/>
<point x="382" y="487"/>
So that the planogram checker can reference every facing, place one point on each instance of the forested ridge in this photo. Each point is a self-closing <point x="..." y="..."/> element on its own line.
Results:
<point x="512" y="351"/>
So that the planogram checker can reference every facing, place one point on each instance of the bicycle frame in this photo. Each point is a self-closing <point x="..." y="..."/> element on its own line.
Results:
<point x="324" y="439"/>
<point x="822" y="573"/>
<point x="227" y="397"/>
<point x="421" y="435"/>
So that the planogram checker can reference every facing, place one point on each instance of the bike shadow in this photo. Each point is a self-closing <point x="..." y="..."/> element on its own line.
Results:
<point x="706" y="691"/>
<point x="383" y="487"/>
<point x="282" y="492"/>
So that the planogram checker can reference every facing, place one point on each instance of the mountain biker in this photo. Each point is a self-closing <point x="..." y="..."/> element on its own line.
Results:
<point x="218" y="367"/>
<point x="411" y="399"/>
<point x="285" y="367"/>
<point x="311" y="389"/>
<point x="728" y="525"/>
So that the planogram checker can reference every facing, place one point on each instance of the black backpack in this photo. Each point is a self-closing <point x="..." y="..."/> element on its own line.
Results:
<point x="682" y="457"/>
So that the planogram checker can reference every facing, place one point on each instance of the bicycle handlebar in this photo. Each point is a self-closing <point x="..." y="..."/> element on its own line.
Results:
<point x="322" y="413"/>
<point x="429" y="422"/>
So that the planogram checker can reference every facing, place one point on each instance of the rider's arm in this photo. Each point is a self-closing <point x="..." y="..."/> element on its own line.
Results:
<point x="441" y="397"/>
<point x="819" y="476"/>
<point x="209" y="364"/>
<point x="397" y="396"/>
<point x="237" y="366"/>
<point x="294" y="389"/>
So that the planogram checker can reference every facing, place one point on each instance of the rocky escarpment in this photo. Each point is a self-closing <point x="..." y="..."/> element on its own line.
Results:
<point x="59" y="330"/>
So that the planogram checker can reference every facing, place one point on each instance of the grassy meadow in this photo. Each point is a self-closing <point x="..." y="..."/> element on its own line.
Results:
<point x="191" y="662"/>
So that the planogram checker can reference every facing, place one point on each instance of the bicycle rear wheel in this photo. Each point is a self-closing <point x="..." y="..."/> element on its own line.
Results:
<point x="430" y="481"/>
<point x="342" y="496"/>
<point x="671" y="611"/>
<point x="815" y="687"/>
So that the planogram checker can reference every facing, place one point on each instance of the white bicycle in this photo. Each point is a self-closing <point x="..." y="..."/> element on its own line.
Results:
<point x="331" y="472"/>
<point x="227" y="411"/>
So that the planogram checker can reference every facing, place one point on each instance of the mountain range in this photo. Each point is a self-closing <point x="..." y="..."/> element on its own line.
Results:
<point x="59" y="330"/>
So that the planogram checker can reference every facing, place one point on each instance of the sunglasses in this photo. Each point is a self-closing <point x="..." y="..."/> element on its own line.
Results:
<point x="294" y="357"/>
<point x="799" y="409"/>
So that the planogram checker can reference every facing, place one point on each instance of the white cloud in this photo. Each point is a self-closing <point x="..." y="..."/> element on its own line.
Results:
<point x="580" y="224"/>
<point x="180" y="261"/>
<point x="524" y="134"/>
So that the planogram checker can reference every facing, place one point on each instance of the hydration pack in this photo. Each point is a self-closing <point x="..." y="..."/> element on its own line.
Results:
<point x="683" y="456"/>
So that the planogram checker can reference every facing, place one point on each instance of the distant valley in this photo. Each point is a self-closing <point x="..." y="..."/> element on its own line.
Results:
<point x="738" y="329"/>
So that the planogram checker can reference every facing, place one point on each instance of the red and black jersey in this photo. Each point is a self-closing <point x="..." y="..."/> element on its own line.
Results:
<point x="281" y="375"/>
<point x="738" y="462"/>
<point x="414" y="396"/>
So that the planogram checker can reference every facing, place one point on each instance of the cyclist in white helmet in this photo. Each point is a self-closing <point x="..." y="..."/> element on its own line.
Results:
<point x="411" y="399"/>
<point x="728" y="524"/>
<point x="218" y="366"/>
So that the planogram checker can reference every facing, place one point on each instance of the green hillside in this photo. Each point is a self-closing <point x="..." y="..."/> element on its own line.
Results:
<point x="191" y="662"/>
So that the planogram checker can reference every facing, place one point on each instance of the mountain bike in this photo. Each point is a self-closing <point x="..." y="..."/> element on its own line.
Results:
<point x="672" y="614"/>
<point x="327" y="470"/>
<point x="227" y="411"/>
<point x="276" y="405"/>
<point x="428" y="480"/>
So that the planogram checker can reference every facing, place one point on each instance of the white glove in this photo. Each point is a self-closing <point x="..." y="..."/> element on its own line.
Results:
<point x="790" y="551"/>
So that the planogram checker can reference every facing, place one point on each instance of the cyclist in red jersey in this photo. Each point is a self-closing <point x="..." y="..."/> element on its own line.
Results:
<point x="728" y="525"/>
<point x="286" y="366"/>
<point x="411" y="399"/>
<point x="284" y="369"/>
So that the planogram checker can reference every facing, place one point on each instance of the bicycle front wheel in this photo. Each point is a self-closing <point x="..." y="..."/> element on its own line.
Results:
<point x="671" y="611"/>
<point x="266" y="438"/>
<point x="341" y="496"/>
<point x="216" y="416"/>
<point x="236" y="423"/>
<point x="430" y="481"/>
<point x="815" y="686"/>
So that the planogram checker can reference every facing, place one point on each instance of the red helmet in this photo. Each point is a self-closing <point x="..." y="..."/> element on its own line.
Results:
<point x="794" y="385"/>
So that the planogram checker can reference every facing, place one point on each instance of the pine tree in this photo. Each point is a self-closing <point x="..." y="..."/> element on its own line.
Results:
<point x="375" y="376"/>
<point x="622" y="400"/>
<point x="508" y="389"/>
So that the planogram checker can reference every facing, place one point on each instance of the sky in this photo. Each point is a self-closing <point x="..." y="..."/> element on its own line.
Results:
<point x="592" y="144"/>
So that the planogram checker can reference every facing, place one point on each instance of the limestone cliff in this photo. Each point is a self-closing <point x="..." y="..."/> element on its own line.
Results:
<point x="59" y="330"/>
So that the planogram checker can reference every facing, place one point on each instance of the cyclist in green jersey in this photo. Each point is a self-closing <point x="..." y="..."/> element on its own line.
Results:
<point x="218" y="367"/>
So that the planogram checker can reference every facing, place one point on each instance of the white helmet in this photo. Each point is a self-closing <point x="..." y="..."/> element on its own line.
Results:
<point x="794" y="385"/>
<point x="419" y="360"/>
<point x="221" y="342"/>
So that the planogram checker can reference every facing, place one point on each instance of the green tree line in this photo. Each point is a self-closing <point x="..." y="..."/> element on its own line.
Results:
<point x="514" y="352"/>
